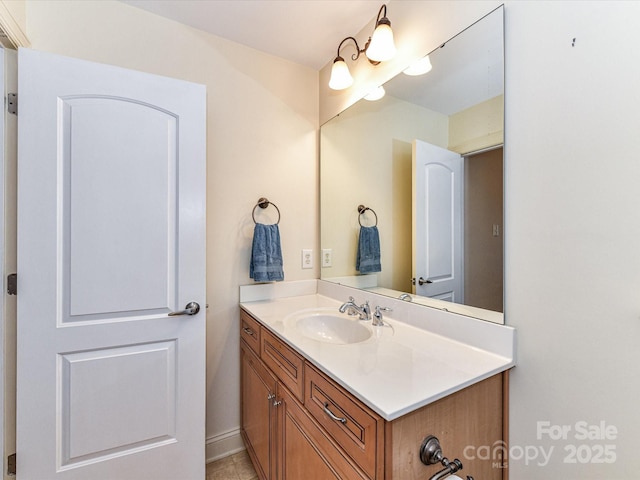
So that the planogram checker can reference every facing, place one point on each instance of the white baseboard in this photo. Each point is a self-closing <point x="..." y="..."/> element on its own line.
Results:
<point x="223" y="445"/>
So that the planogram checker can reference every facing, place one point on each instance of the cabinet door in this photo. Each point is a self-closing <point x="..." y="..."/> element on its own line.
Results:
<point x="305" y="452"/>
<point x="258" y="413"/>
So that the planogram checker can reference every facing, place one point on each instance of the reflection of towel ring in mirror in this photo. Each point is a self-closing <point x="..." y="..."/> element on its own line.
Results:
<point x="264" y="203"/>
<point x="362" y="209"/>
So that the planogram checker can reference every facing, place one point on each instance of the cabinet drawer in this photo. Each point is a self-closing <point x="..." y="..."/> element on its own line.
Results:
<point x="355" y="427"/>
<point x="283" y="361"/>
<point x="250" y="331"/>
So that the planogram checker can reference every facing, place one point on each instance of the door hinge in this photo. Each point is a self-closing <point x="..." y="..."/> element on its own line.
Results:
<point x="11" y="464"/>
<point x="12" y="284"/>
<point x="12" y="103"/>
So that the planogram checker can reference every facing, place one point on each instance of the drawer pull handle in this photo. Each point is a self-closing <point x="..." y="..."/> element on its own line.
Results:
<point x="333" y="417"/>
<point x="271" y="396"/>
<point x="248" y="331"/>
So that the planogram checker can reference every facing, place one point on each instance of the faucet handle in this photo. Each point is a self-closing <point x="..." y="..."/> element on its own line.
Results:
<point x="377" y="316"/>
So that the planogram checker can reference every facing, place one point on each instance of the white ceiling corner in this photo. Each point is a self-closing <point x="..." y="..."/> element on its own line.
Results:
<point x="306" y="32"/>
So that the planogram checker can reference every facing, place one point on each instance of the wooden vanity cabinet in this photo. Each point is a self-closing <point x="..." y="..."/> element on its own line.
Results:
<point x="293" y="428"/>
<point x="469" y="426"/>
<point x="258" y="391"/>
<point x="283" y="440"/>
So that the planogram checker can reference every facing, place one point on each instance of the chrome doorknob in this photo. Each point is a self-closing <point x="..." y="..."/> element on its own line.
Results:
<point x="422" y="281"/>
<point x="190" y="309"/>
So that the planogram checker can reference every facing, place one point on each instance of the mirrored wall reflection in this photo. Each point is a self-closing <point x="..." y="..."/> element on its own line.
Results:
<point x="427" y="158"/>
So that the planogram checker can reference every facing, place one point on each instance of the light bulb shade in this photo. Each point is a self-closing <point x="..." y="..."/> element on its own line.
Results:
<point x="381" y="47"/>
<point x="340" y="76"/>
<point x="420" y="67"/>
<point x="375" y="94"/>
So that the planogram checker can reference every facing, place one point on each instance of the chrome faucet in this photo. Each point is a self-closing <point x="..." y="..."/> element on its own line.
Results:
<point x="363" y="311"/>
<point x="377" y="316"/>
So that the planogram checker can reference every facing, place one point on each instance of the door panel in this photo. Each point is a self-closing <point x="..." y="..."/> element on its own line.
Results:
<point x="111" y="238"/>
<point x="145" y="235"/>
<point x="137" y="414"/>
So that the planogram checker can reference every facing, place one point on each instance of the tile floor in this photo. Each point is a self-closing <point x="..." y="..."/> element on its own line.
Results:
<point x="234" y="467"/>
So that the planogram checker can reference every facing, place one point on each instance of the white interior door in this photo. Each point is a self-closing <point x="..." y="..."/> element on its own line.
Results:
<point x="111" y="239"/>
<point x="438" y="222"/>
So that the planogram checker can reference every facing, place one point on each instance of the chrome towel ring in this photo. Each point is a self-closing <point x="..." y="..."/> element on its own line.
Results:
<point x="362" y="209"/>
<point x="264" y="203"/>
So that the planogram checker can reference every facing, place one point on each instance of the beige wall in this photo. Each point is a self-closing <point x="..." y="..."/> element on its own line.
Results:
<point x="572" y="227"/>
<point x="477" y="127"/>
<point x="571" y="220"/>
<point x="261" y="141"/>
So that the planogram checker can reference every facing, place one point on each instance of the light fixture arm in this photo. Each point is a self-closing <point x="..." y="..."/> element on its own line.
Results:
<point x="356" y="55"/>
<point x="384" y="19"/>
<point x="359" y="51"/>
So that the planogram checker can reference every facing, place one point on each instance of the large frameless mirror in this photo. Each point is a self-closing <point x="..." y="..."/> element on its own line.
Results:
<point x="424" y="165"/>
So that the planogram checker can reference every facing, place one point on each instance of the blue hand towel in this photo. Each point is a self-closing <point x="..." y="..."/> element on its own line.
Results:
<point x="368" y="256"/>
<point x="266" y="254"/>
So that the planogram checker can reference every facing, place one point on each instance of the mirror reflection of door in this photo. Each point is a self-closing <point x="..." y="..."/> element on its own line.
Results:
<point x="438" y="214"/>
<point x="457" y="242"/>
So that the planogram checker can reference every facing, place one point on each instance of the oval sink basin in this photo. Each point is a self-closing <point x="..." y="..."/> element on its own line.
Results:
<point x="332" y="328"/>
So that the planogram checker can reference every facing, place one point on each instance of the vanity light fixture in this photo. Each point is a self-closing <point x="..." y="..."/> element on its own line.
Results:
<point x="375" y="94"/>
<point x="379" y="48"/>
<point x="420" y="67"/>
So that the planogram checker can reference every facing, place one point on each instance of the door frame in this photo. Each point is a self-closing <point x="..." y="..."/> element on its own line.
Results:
<point x="3" y="316"/>
<point x="8" y="210"/>
<point x="16" y="37"/>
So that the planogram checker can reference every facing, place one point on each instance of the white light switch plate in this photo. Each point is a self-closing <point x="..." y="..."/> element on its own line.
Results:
<point x="307" y="258"/>
<point x="326" y="257"/>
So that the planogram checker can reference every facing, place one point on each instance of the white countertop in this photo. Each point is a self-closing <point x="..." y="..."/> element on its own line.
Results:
<point x="402" y="367"/>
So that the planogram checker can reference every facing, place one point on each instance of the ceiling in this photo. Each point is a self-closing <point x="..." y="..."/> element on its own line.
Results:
<point x="306" y="32"/>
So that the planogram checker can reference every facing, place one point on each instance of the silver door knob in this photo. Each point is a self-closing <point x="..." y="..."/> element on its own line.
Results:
<point x="190" y="309"/>
<point x="422" y="281"/>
